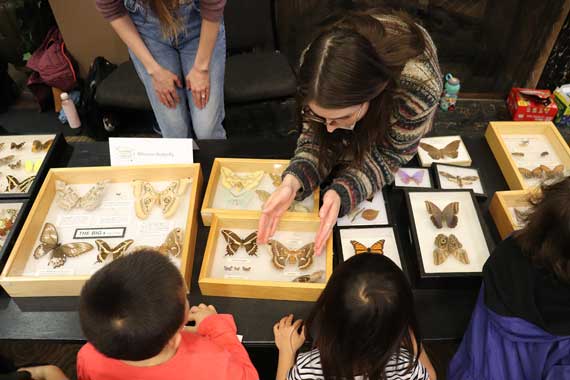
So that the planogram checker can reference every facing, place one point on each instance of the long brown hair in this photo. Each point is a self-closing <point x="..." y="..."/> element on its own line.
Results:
<point x="352" y="61"/>
<point x="165" y="10"/>
<point x="364" y="317"/>
<point x="546" y="236"/>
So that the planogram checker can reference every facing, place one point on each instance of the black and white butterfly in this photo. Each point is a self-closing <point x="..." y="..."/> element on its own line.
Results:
<point x="235" y="242"/>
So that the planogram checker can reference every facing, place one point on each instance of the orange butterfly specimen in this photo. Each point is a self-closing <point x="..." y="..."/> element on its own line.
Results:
<point x="450" y="150"/>
<point x="377" y="247"/>
<point x="449" y="214"/>
<point x="282" y="255"/>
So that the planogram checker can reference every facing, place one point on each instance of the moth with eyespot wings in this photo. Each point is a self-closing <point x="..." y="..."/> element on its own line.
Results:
<point x="281" y="255"/>
<point x="38" y="146"/>
<point x="239" y="183"/>
<point x="377" y="247"/>
<point x="448" y="246"/>
<point x="448" y="215"/>
<point x="234" y="242"/>
<point x="117" y="251"/>
<point x="146" y="197"/>
<point x="49" y="243"/>
<point x="67" y="198"/>
<point x="450" y="150"/>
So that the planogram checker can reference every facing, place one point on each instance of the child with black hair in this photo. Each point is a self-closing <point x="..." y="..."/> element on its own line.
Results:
<point x="520" y="328"/>
<point x="363" y="326"/>
<point x="133" y="313"/>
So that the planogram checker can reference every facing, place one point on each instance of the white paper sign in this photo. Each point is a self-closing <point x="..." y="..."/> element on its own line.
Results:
<point x="150" y="151"/>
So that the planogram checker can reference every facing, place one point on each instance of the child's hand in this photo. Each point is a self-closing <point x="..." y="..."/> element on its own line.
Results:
<point x="287" y="336"/>
<point x="198" y="314"/>
<point x="45" y="372"/>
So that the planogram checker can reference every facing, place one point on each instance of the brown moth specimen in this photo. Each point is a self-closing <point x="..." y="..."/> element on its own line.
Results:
<point x="38" y="146"/>
<point x="448" y="246"/>
<point x="282" y="255"/>
<point x="448" y="215"/>
<point x="450" y="150"/>
<point x="117" y="251"/>
<point x="459" y="180"/>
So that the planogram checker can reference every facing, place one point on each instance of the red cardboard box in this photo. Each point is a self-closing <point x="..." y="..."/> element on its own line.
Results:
<point x="527" y="104"/>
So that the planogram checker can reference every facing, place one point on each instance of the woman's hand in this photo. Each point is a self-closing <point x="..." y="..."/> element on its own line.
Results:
<point x="198" y="82"/>
<point x="164" y="83"/>
<point x="328" y="214"/>
<point x="288" y="339"/>
<point x="277" y="204"/>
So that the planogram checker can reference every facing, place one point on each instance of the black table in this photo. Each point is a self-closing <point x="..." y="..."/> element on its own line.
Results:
<point x="442" y="313"/>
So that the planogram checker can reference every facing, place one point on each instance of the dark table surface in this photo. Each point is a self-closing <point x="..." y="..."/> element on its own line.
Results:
<point x="443" y="313"/>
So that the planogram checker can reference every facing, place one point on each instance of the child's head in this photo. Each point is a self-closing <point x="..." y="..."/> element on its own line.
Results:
<point x="546" y="236"/>
<point x="133" y="307"/>
<point x="364" y="316"/>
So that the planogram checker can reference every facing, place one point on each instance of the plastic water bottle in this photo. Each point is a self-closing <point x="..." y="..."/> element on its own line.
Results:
<point x="450" y="93"/>
<point x="70" y="111"/>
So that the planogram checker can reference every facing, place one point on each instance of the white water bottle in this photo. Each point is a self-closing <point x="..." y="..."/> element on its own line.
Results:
<point x="70" y="111"/>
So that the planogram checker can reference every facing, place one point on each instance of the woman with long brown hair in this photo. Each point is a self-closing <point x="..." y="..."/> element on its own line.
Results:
<point x="369" y="85"/>
<point x="178" y="48"/>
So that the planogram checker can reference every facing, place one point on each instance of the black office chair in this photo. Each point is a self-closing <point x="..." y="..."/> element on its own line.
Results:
<point x="260" y="84"/>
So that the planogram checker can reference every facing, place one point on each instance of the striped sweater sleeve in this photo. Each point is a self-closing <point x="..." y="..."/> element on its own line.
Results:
<point x="305" y="164"/>
<point x="415" y="103"/>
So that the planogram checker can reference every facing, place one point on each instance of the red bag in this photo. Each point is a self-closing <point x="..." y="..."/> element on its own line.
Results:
<point x="52" y="64"/>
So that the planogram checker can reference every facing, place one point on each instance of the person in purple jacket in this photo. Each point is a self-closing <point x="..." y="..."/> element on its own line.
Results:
<point x="178" y="48"/>
<point x="520" y="328"/>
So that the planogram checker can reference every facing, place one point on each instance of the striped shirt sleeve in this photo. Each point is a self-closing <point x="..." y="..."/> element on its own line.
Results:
<point x="308" y="367"/>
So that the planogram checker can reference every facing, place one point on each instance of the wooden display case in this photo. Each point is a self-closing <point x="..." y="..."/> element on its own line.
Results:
<point x="501" y="209"/>
<point x="17" y="284"/>
<point x="241" y="165"/>
<point x="496" y="134"/>
<point x="263" y="289"/>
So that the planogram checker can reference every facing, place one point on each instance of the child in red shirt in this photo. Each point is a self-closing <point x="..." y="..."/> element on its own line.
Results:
<point x="133" y="313"/>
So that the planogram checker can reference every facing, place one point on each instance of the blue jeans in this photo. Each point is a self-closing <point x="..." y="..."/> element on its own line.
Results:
<point x="178" y="55"/>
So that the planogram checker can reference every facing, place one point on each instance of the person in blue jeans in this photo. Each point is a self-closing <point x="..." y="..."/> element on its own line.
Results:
<point x="178" y="48"/>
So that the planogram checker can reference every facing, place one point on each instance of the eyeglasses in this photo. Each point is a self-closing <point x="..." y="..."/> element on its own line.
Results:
<point x="308" y="115"/>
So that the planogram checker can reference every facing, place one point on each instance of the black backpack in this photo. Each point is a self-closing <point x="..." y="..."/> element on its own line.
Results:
<point x="88" y="109"/>
<point x="8" y="89"/>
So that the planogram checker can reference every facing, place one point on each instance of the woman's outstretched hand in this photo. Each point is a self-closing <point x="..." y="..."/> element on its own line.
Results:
<point x="328" y="214"/>
<point x="277" y="204"/>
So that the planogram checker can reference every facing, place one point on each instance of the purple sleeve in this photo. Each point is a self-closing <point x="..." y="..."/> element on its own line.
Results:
<point x="111" y="9"/>
<point x="212" y="10"/>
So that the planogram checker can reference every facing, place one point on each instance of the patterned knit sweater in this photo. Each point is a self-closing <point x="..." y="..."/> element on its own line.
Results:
<point x="414" y="107"/>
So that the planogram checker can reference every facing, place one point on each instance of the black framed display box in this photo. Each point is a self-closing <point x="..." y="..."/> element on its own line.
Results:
<point x="451" y="177"/>
<point x="13" y="213"/>
<point x="413" y="178"/>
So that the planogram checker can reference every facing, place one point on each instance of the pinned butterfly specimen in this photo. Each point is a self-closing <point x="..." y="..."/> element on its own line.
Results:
<point x="38" y="146"/>
<point x="544" y="154"/>
<point x="16" y="165"/>
<point x="416" y="178"/>
<point x="19" y="146"/>
<point x="172" y="244"/>
<point x="518" y="154"/>
<point x="6" y="160"/>
<point x="67" y="198"/>
<point x="32" y="166"/>
<point x="450" y="150"/>
<point x="105" y="249"/>
<point x="282" y="255"/>
<point x="59" y="253"/>
<point x="459" y="180"/>
<point x="238" y="184"/>
<point x="246" y="269"/>
<point x="313" y="277"/>
<point x="14" y="185"/>
<point x="295" y="206"/>
<point x="146" y="197"/>
<point x="234" y="242"/>
<point x="229" y="269"/>
<point x="275" y="179"/>
<point x="448" y="215"/>
<point x="377" y="247"/>
<point x="448" y="246"/>
<point x="542" y="171"/>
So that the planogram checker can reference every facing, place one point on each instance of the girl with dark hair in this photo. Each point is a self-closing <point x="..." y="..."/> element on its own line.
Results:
<point x="363" y="326"/>
<point x="369" y="85"/>
<point x="178" y="48"/>
<point x="520" y="328"/>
